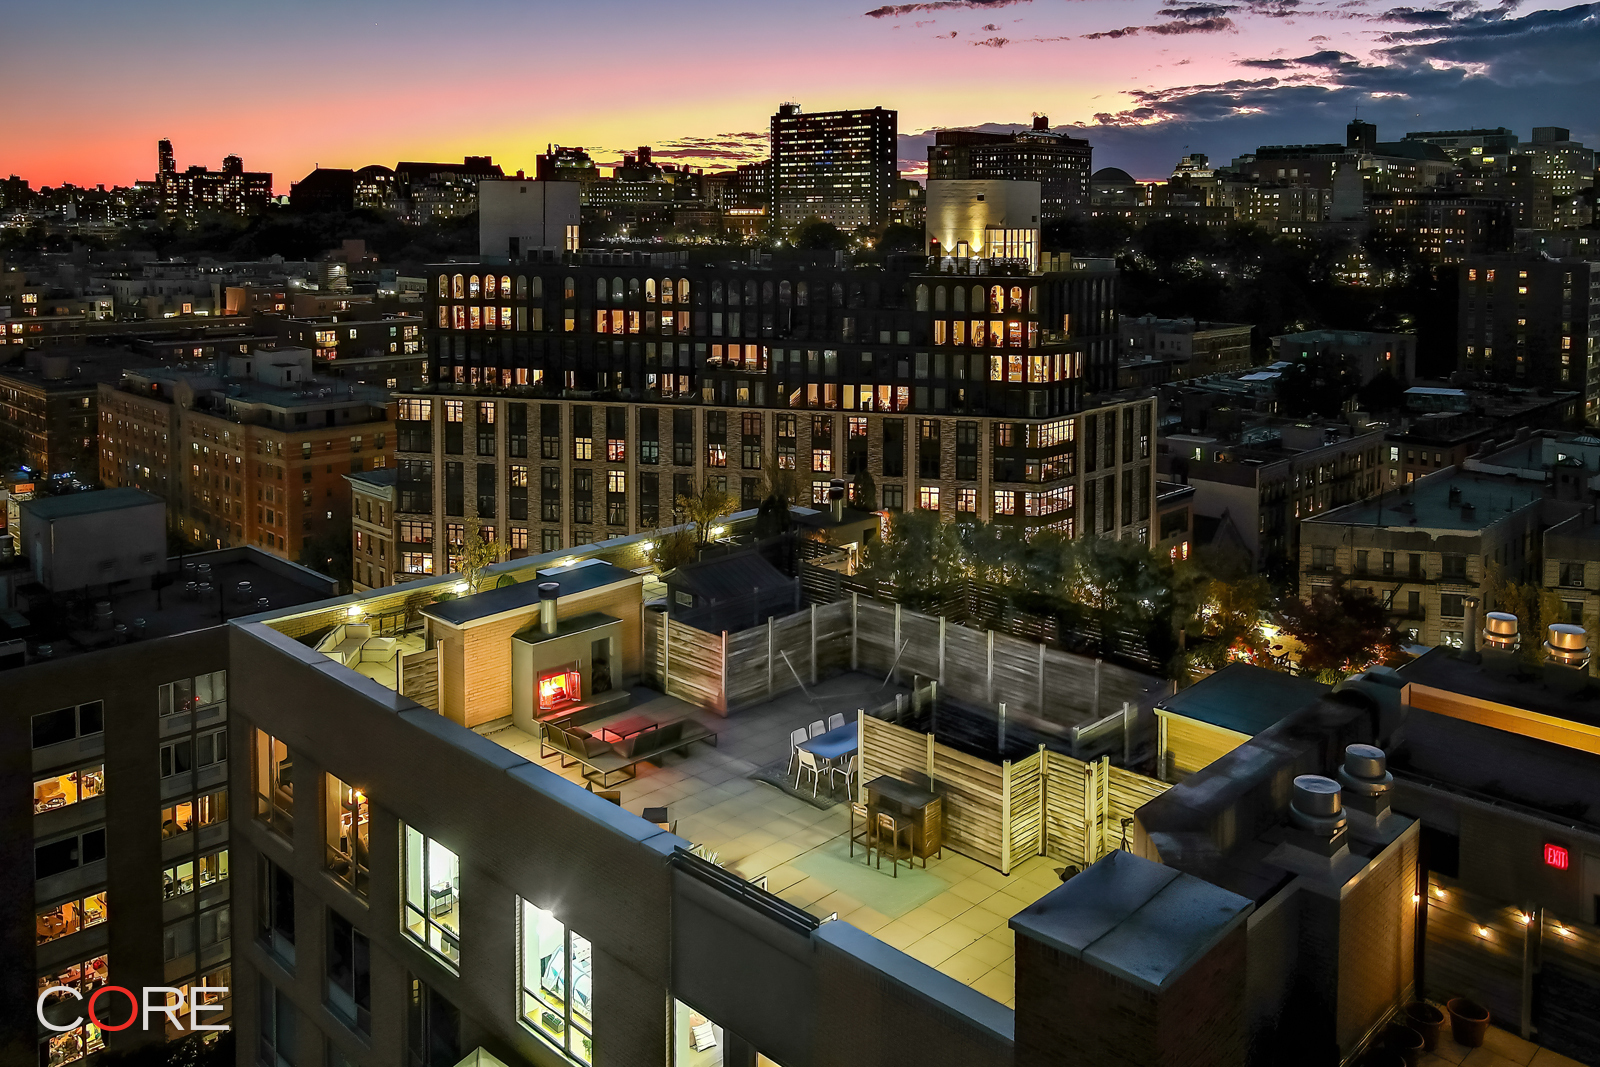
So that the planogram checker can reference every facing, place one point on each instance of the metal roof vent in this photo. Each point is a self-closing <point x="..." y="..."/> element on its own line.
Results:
<point x="549" y="593"/>
<point x="1566" y="658"/>
<point x="1365" y="777"/>
<point x="1501" y="641"/>
<point x="1317" y="810"/>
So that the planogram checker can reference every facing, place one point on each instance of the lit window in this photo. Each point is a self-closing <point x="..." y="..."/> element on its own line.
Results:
<point x="61" y="790"/>
<point x="928" y="497"/>
<point x="433" y="896"/>
<point x="348" y="819"/>
<point x="556" y="982"/>
<point x="274" y="783"/>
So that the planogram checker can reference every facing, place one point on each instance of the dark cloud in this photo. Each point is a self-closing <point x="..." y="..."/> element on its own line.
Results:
<point x="1415" y="15"/>
<point x="1325" y="58"/>
<point x="894" y="11"/>
<point x="992" y="42"/>
<point x="1197" y="11"/>
<point x="1204" y="25"/>
<point x="990" y="27"/>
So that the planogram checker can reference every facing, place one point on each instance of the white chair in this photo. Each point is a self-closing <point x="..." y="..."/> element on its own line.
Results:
<point x="817" y="728"/>
<point x="796" y="739"/>
<point x="836" y="720"/>
<point x="845" y="765"/>
<point x="808" y="762"/>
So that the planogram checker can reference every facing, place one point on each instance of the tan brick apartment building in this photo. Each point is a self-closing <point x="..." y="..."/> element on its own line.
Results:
<point x="254" y="457"/>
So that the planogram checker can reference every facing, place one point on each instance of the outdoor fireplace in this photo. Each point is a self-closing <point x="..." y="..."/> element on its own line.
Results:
<point x="560" y="688"/>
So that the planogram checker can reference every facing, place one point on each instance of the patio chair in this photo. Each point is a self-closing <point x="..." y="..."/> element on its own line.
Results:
<point x="817" y="728"/>
<point x="864" y="835"/>
<point x="796" y="739"/>
<point x="836" y="720"/>
<point x="808" y="762"/>
<point x="889" y="825"/>
<point x="844" y="765"/>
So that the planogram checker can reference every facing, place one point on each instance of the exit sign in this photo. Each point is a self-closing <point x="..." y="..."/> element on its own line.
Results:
<point x="1556" y="856"/>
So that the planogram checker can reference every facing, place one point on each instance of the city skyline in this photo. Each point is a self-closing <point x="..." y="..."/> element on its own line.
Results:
<point x="1127" y="77"/>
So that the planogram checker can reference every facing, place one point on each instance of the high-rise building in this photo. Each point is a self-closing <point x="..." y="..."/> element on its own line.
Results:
<point x="117" y="860"/>
<point x="576" y="398"/>
<point x="1534" y="321"/>
<point x="838" y="166"/>
<point x="1568" y="167"/>
<point x="1477" y="148"/>
<point x="198" y="191"/>
<point x="1059" y="163"/>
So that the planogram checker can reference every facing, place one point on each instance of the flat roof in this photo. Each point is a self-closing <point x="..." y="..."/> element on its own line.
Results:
<point x="89" y="503"/>
<point x="168" y="611"/>
<point x="1427" y="504"/>
<point x="1244" y="698"/>
<point x="578" y="578"/>
<point x="383" y="477"/>
<point x="1139" y="920"/>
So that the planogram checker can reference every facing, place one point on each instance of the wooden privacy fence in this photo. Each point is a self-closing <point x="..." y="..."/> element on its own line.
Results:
<point x="723" y="671"/>
<point x="999" y="814"/>
<point x="419" y="677"/>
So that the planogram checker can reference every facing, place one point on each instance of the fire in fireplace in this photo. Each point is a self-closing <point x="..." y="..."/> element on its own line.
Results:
<point x="558" y="689"/>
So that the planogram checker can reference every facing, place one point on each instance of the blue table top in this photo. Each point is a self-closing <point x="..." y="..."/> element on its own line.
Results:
<point x="839" y="741"/>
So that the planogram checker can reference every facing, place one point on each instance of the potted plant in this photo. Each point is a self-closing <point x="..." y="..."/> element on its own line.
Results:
<point x="1469" y="1021"/>
<point x="1426" y="1020"/>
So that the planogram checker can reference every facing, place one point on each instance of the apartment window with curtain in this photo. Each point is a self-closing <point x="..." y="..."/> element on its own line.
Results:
<point x="348" y="821"/>
<point x="556" y="982"/>
<point x="275" y="912"/>
<point x="433" y="896"/>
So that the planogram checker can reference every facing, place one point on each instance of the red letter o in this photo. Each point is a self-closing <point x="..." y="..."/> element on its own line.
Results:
<point x="133" y="1004"/>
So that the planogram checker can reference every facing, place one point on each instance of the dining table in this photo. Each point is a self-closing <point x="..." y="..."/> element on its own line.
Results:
<point x="835" y="743"/>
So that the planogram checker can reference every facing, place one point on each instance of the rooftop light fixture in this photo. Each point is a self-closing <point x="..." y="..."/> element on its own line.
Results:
<point x="355" y="611"/>
<point x="460" y="587"/>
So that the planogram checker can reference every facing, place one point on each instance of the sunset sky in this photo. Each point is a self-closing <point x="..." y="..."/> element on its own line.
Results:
<point x="91" y="86"/>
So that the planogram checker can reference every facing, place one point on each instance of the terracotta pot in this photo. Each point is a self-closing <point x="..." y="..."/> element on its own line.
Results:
<point x="1469" y="1022"/>
<point x="1426" y="1020"/>
<point x="1407" y="1042"/>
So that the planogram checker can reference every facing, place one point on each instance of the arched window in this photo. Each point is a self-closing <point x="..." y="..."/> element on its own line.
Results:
<point x="784" y="293"/>
<point x="616" y="290"/>
<point x="489" y="286"/>
<point x="473" y="287"/>
<point x="649" y="290"/>
<point x="800" y="294"/>
<point x="666" y="291"/>
<point x="633" y="288"/>
<point x="733" y="294"/>
<point x="1016" y="298"/>
<point x="838" y="294"/>
<point x="750" y="292"/>
<point x="977" y="299"/>
<point x="683" y="290"/>
<point x="766" y="293"/>
<point x="997" y="299"/>
<point x="938" y="298"/>
<point x="571" y="288"/>
<point x="716" y="292"/>
<point x="522" y="286"/>
<point x="505" y="285"/>
<point x="961" y="298"/>
<point x="459" y="286"/>
<point x="922" y="297"/>
<point x="536" y="290"/>
<point x="444" y="285"/>
<point x="600" y="290"/>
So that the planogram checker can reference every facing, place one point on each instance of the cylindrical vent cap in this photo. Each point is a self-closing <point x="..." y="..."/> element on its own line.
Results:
<point x="1568" y="636"/>
<point x="1500" y="623"/>
<point x="1316" y="795"/>
<point x="1366" y="761"/>
<point x="549" y="590"/>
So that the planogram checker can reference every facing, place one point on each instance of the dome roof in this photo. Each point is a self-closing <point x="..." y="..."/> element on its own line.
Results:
<point x="1111" y="174"/>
